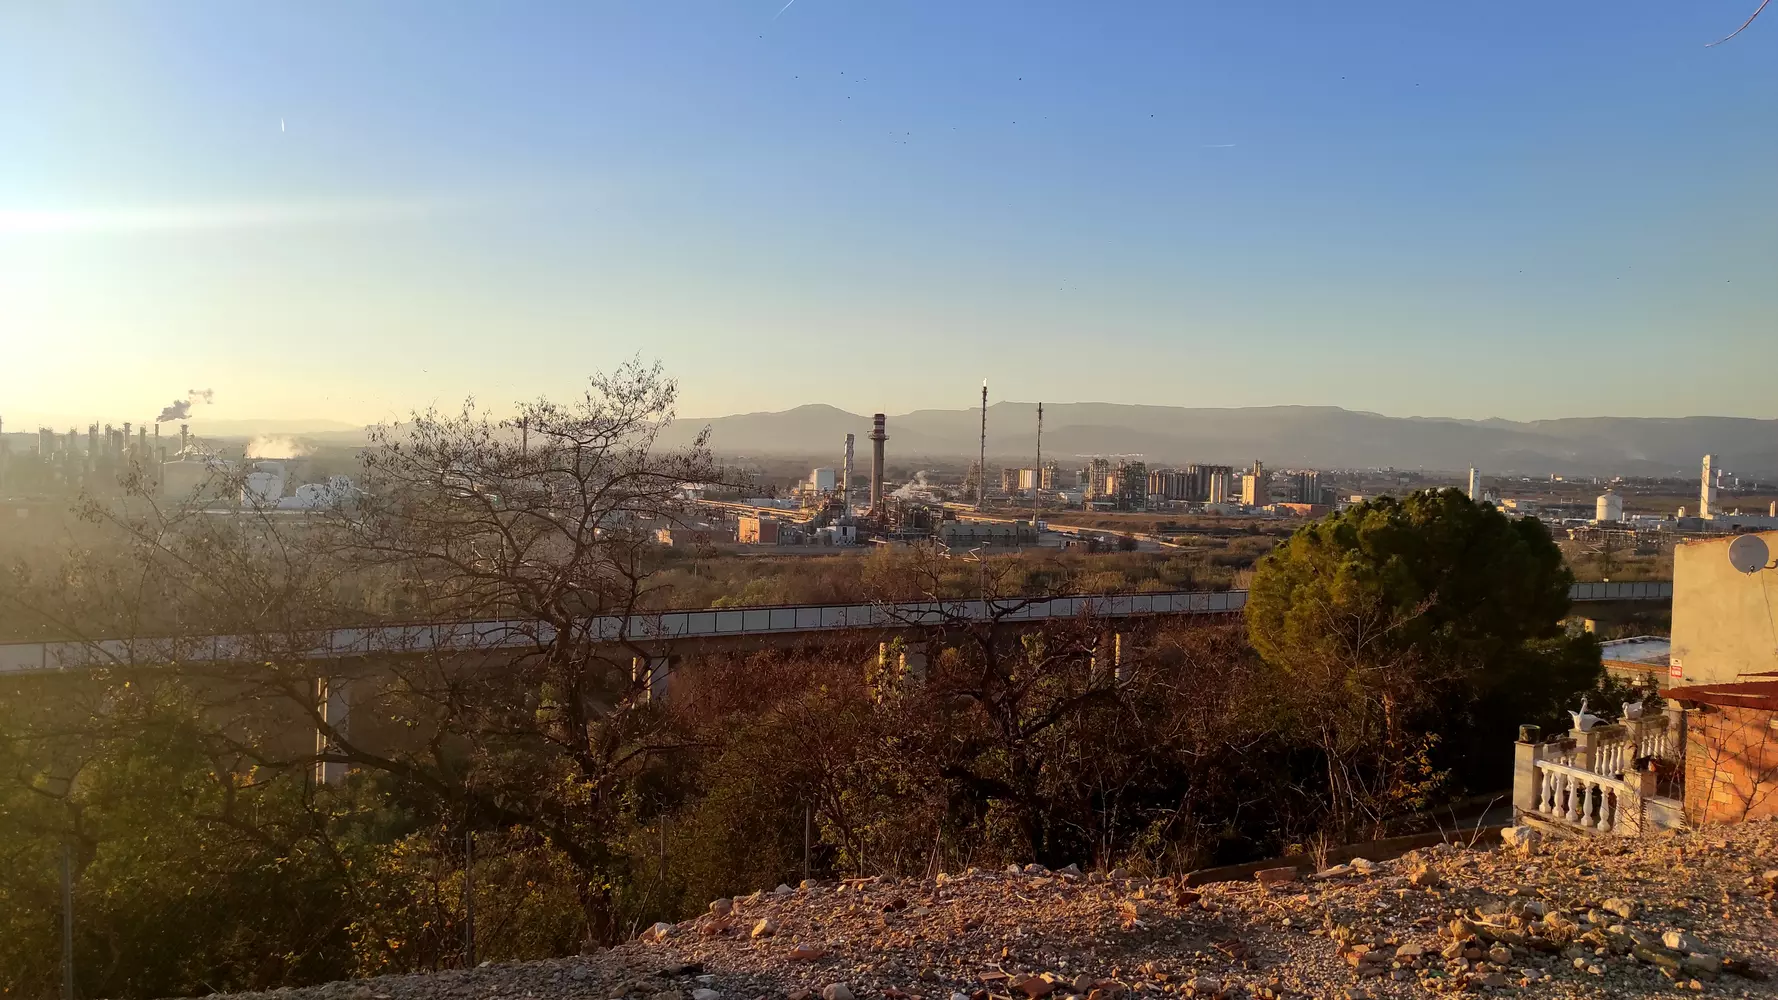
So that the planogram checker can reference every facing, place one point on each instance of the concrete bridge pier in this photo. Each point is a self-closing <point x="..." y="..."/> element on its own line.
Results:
<point x="1108" y="655"/>
<point x="650" y="673"/>
<point x="898" y="662"/>
<point x="333" y="701"/>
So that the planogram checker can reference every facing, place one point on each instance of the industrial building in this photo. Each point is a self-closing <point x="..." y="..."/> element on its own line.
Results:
<point x="757" y="531"/>
<point x="976" y="534"/>
<point x="94" y="461"/>
<point x="688" y="536"/>
<point x="1309" y="489"/>
<point x="1096" y="478"/>
<point x="1211" y="483"/>
<point x="1251" y="488"/>
<point x="1170" y="485"/>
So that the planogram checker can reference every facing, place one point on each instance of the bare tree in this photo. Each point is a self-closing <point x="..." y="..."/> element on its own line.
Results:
<point x="525" y="544"/>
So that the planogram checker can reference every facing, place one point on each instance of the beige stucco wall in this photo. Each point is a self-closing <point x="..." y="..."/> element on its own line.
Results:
<point x="1725" y="623"/>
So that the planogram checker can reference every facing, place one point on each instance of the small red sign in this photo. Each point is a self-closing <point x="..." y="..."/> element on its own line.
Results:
<point x="1676" y="672"/>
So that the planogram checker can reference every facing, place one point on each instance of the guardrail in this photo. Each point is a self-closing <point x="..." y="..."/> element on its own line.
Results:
<point x="37" y="657"/>
<point x="1634" y="590"/>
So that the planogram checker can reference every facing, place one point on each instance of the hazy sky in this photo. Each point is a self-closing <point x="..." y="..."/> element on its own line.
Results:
<point x="1524" y="209"/>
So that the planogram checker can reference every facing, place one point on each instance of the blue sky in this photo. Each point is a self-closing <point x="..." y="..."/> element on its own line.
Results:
<point x="1512" y="209"/>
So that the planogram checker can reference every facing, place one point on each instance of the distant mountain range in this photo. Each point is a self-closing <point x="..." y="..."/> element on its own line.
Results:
<point x="1325" y="437"/>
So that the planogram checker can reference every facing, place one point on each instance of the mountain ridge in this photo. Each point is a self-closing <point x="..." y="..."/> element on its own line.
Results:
<point x="1282" y="435"/>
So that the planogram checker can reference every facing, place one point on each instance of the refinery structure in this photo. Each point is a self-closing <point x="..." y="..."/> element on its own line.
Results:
<point x="107" y="460"/>
<point x="842" y="505"/>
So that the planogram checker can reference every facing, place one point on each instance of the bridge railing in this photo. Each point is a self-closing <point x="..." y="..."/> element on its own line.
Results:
<point x="34" y="657"/>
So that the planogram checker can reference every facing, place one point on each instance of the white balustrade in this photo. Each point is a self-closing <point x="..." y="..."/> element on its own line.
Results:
<point x="1653" y="742"/>
<point x="1578" y="797"/>
<point x="1608" y="758"/>
<point x="1616" y="749"/>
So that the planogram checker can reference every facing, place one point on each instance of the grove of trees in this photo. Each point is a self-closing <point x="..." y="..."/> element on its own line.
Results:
<point x="1385" y="659"/>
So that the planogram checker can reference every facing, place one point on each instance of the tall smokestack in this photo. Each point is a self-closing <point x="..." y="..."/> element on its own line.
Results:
<point x="184" y="439"/>
<point x="981" y="468"/>
<point x="846" y="476"/>
<point x="1037" y="472"/>
<point x="877" y="437"/>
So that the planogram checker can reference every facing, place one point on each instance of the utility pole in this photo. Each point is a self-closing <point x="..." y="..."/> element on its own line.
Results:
<point x="468" y="897"/>
<point x="1037" y="473"/>
<point x="981" y="468"/>
<point x="67" y="922"/>
<point x="808" y="838"/>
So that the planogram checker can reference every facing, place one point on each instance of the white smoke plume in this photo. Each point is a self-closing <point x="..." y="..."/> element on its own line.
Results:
<point x="179" y="409"/>
<point x="271" y="446"/>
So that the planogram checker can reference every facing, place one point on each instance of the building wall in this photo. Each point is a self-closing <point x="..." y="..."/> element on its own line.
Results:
<point x="1731" y="764"/>
<point x="968" y="534"/>
<point x="691" y="537"/>
<point x="1723" y="620"/>
<point x="757" y="531"/>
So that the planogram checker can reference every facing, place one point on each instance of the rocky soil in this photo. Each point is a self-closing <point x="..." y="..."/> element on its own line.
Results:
<point x="1691" y="912"/>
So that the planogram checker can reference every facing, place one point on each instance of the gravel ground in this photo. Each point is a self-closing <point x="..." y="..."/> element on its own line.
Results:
<point x="1691" y="912"/>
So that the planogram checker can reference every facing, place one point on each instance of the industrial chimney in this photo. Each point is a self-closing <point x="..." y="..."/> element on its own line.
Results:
<point x="877" y="437"/>
<point x="846" y="477"/>
<point x="184" y="439"/>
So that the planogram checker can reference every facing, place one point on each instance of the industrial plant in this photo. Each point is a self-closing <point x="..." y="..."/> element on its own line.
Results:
<point x="839" y="505"/>
<point x="109" y="460"/>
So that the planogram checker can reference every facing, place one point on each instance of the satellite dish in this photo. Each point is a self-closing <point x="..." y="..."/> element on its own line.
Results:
<point x="1748" y="553"/>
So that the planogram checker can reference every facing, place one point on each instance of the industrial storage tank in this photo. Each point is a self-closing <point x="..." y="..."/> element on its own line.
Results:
<point x="264" y="486"/>
<point x="1608" y="508"/>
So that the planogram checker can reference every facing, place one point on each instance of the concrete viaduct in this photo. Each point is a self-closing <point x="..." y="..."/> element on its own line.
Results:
<point x="664" y="635"/>
<point x="668" y="629"/>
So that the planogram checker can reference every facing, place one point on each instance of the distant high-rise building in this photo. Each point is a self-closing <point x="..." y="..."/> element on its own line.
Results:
<point x="1050" y="473"/>
<point x="1009" y="481"/>
<point x="1707" y="488"/>
<point x="1250" y="490"/>
<point x="1475" y="485"/>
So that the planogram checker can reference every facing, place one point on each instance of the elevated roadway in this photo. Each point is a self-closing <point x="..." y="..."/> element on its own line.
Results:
<point x="663" y="628"/>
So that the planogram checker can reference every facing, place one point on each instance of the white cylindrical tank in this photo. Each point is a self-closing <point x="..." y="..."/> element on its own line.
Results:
<point x="1609" y="507"/>
<point x="263" y="486"/>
